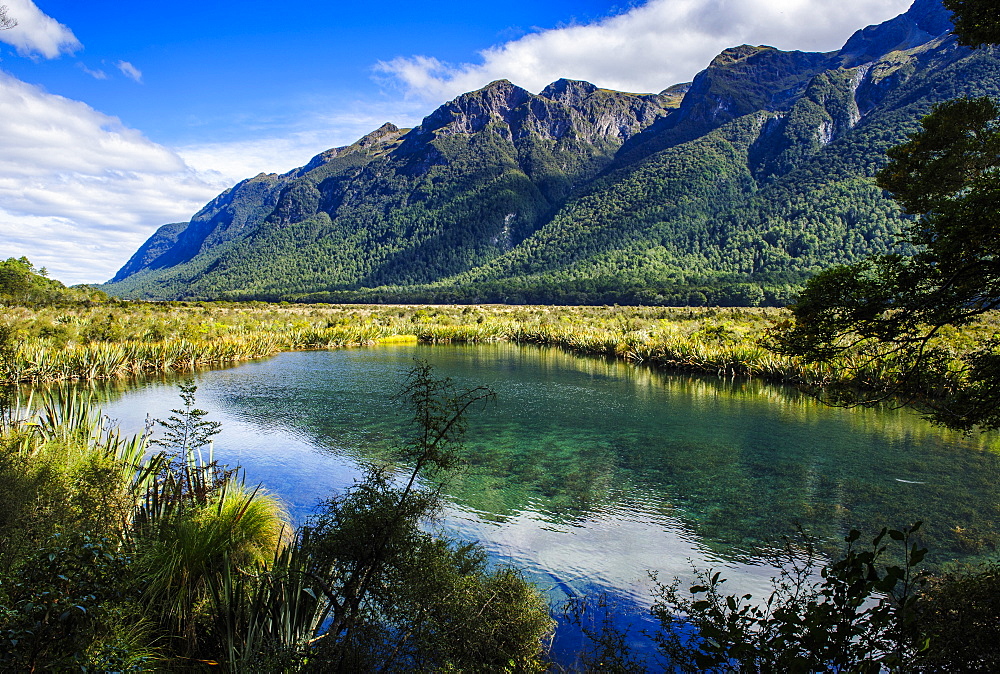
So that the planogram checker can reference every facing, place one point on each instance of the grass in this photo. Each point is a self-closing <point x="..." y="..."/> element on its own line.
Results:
<point x="129" y="340"/>
<point x="136" y="555"/>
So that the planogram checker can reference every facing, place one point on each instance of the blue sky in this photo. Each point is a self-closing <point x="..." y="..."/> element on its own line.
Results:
<point x="117" y="117"/>
<point x="224" y="70"/>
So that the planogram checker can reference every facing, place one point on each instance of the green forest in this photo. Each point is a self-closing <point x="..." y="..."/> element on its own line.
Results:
<point x="530" y="202"/>
<point x="143" y="553"/>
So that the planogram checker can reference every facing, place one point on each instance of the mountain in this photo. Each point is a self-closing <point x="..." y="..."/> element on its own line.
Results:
<point x="731" y="189"/>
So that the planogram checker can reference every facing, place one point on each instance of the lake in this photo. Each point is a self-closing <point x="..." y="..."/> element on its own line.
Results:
<point x="589" y="473"/>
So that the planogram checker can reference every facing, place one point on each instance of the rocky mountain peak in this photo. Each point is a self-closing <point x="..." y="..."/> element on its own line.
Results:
<point x="379" y="135"/>
<point x="930" y="16"/>
<point x="734" y="55"/>
<point x="471" y="112"/>
<point x="385" y="133"/>
<point x="745" y="79"/>
<point x="922" y="22"/>
<point x="568" y="92"/>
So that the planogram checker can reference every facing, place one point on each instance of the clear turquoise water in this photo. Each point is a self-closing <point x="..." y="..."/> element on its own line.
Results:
<point x="590" y="473"/>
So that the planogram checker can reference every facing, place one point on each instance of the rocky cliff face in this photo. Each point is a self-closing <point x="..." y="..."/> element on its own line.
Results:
<point x="924" y="21"/>
<point x="579" y="125"/>
<point x="565" y="108"/>
<point x="501" y="182"/>
<point x="745" y="79"/>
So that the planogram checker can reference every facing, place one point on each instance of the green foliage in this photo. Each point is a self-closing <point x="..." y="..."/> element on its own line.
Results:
<point x="854" y="619"/>
<point x="64" y="610"/>
<point x="185" y="550"/>
<point x="22" y="284"/>
<point x="186" y="431"/>
<point x="975" y="21"/>
<point x="957" y="613"/>
<point x="894" y="307"/>
<point x="860" y="612"/>
<point x="64" y="472"/>
<point x="671" y="339"/>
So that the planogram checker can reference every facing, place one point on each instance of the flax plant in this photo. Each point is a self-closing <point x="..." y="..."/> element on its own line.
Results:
<point x="66" y="473"/>
<point x="46" y="345"/>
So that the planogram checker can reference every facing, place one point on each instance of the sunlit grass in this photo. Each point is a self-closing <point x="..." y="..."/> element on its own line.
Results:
<point x="135" y="339"/>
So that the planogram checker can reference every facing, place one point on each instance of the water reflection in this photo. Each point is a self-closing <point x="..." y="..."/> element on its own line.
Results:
<point x="591" y="472"/>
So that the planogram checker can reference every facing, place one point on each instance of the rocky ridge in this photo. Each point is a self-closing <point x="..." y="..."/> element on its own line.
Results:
<point x="490" y="190"/>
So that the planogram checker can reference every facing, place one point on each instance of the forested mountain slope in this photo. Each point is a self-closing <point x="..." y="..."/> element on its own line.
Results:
<point x="730" y="190"/>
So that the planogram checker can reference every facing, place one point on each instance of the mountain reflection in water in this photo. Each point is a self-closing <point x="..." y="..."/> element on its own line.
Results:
<point x="589" y="473"/>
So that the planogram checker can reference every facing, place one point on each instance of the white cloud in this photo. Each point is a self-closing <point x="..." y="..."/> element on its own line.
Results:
<point x="79" y="191"/>
<point x="648" y="48"/>
<point x="230" y="162"/>
<point x="97" y="74"/>
<point x="36" y="33"/>
<point x="130" y="71"/>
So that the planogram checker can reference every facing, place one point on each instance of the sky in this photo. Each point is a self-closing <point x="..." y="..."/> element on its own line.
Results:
<point x="117" y="117"/>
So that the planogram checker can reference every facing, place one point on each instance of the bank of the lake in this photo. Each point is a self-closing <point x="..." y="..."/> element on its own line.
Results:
<point x="112" y="341"/>
<point x="590" y="472"/>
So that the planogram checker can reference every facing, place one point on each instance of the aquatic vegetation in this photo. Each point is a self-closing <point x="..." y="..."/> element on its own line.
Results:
<point x="121" y="559"/>
<point x="127" y="340"/>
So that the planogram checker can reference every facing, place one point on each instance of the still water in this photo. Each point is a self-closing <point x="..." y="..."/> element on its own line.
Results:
<point x="589" y="473"/>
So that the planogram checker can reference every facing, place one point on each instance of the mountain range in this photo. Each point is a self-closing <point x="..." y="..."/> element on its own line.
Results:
<point x="731" y="189"/>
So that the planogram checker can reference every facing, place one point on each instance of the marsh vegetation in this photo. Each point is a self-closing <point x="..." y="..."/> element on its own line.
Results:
<point x="118" y="558"/>
<point x="106" y="341"/>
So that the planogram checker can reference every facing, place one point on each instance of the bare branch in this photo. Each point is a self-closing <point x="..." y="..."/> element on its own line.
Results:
<point x="6" y="21"/>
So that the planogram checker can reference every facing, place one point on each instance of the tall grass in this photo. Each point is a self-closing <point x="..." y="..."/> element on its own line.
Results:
<point x="137" y="339"/>
<point x="186" y="550"/>
<point x="66" y="469"/>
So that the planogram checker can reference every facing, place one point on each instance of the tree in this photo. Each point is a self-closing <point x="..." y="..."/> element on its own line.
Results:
<point x="6" y="21"/>
<point x="186" y="431"/>
<point x="975" y="21"/>
<point x="892" y="310"/>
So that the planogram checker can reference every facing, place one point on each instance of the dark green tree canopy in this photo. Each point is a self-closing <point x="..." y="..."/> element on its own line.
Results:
<point x="892" y="308"/>
<point x="975" y="21"/>
<point x="949" y="174"/>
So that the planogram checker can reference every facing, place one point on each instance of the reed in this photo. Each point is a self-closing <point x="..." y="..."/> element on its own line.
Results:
<point x="136" y="339"/>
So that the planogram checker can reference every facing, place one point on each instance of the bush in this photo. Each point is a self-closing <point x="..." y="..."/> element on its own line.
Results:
<point x="957" y="619"/>
<point x="68" y="607"/>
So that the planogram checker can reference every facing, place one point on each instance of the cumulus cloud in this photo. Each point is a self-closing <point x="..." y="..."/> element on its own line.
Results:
<point x="79" y="190"/>
<point x="648" y="48"/>
<point x="129" y="71"/>
<point x="36" y="33"/>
